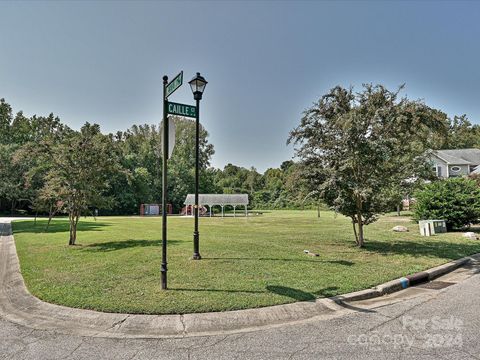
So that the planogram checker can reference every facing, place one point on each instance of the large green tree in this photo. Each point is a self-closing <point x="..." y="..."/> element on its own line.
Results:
<point x="461" y="134"/>
<point x="24" y="152"/>
<point x="357" y="148"/>
<point x="83" y="164"/>
<point x="141" y="159"/>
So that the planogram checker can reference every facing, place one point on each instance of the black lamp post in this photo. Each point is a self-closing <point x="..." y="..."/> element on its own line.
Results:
<point x="197" y="85"/>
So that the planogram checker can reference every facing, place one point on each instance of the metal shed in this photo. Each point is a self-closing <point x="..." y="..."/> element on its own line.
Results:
<point x="221" y="200"/>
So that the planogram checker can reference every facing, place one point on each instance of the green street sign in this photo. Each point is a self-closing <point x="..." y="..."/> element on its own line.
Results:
<point x="181" y="109"/>
<point x="174" y="84"/>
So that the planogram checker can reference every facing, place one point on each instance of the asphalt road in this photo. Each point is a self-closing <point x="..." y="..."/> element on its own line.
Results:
<point x="416" y="324"/>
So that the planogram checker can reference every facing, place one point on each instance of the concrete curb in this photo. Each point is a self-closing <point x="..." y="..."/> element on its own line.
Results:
<point x="448" y="267"/>
<point x="19" y="306"/>
<point x="404" y="282"/>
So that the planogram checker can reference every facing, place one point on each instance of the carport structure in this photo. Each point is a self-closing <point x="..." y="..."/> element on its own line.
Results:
<point x="221" y="200"/>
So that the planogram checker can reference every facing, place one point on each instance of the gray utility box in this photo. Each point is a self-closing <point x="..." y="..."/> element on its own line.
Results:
<point x="432" y="227"/>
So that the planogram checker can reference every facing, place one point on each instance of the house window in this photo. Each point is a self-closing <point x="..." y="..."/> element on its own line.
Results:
<point x="456" y="168"/>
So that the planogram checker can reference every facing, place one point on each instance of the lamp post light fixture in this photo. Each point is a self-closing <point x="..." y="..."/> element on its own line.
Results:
<point x="197" y="84"/>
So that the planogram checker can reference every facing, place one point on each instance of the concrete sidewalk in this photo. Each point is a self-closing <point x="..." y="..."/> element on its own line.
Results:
<point x="19" y="306"/>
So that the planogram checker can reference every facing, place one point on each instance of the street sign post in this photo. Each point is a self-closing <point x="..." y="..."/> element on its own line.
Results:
<point x="168" y="142"/>
<point x="174" y="84"/>
<point x="181" y="109"/>
<point x="163" y="269"/>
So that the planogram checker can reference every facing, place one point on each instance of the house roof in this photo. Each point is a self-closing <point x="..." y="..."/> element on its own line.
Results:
<point x="217" y="199"/>
<point x="459" y="156"/>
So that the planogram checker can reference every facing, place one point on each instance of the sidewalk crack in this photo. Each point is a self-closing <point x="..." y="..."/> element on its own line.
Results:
<point x="118" y="323"/>
<point x="390" y="319"/>
<point x="182" y="320"/>
<point x="296" y="352"/>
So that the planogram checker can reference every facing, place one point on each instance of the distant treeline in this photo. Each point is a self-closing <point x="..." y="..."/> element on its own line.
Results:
<point x="42" y="161"/>
<point x="45" y="165"/>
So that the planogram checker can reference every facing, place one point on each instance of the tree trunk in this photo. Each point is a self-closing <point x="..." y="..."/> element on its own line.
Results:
<point x="398" y="210"/>
<point x="361" y="240"/>
<point x="51" y="214"/>
<point x="71" y="218"/>
<point x="74" y="217"/>
<point x="71" y="241"/>
<point x="75" y="228"/>
<point x="355" y="229"/>
<point x="318" y="210"/>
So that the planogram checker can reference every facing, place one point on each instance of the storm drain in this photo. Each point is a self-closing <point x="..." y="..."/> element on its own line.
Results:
<point x="435" y="285"/>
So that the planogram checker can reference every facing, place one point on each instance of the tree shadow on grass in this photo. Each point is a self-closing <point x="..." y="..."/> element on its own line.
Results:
<point x="301" y="295"/>
<point x="312" y="260"/>
<point x="431" y="247"/>
<point x="219" y="290"/>
<point x="295" y="294"/>
<point x="340" y="262"/>
<point x="120" y="245"/>
<point x="55" y="226"/>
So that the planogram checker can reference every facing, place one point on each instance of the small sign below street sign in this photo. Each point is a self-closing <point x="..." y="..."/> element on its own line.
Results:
<point x="181" y="109"/>
<point x="171" y="135"/>
<point x="174" y="84"/>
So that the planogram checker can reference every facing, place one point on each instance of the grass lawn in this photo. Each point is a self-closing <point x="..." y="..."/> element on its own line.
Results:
<point x="246" y="263"/>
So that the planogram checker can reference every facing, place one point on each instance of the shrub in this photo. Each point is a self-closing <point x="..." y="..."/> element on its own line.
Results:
<point x="476" y="178"/>
<point x="455" y="200"/>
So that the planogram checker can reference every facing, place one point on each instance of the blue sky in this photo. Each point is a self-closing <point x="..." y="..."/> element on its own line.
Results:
<point x="265" y="62"/>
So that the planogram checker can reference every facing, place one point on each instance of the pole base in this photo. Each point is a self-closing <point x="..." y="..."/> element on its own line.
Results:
<point x="164" y="280"/>
<point x="196" y="249"/>
<point x="196" y="257"/>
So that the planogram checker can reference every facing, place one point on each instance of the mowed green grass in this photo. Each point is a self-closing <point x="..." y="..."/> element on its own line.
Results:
<point x="246" y="263"/>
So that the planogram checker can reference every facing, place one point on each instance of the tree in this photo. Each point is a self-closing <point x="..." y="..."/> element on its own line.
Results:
<point x="141" y="160"/>
<point x="295" y="187"/>
<point x="181" y="166"/>
<point x="462" y="134"/>
<point x="82" y="166"/>
<point x="5" y="121"/>
<point x="34" y="157"/>
<point x="253" y="181"/>
<point x="10" y="173"/>
<point x="455" y="200"/>
<point x="11" y="181"/>
<point x="29" y="149"/>
<point x="476" y="178"/>
<point x="25" y="145"/>
<point x="356" y="146"/>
